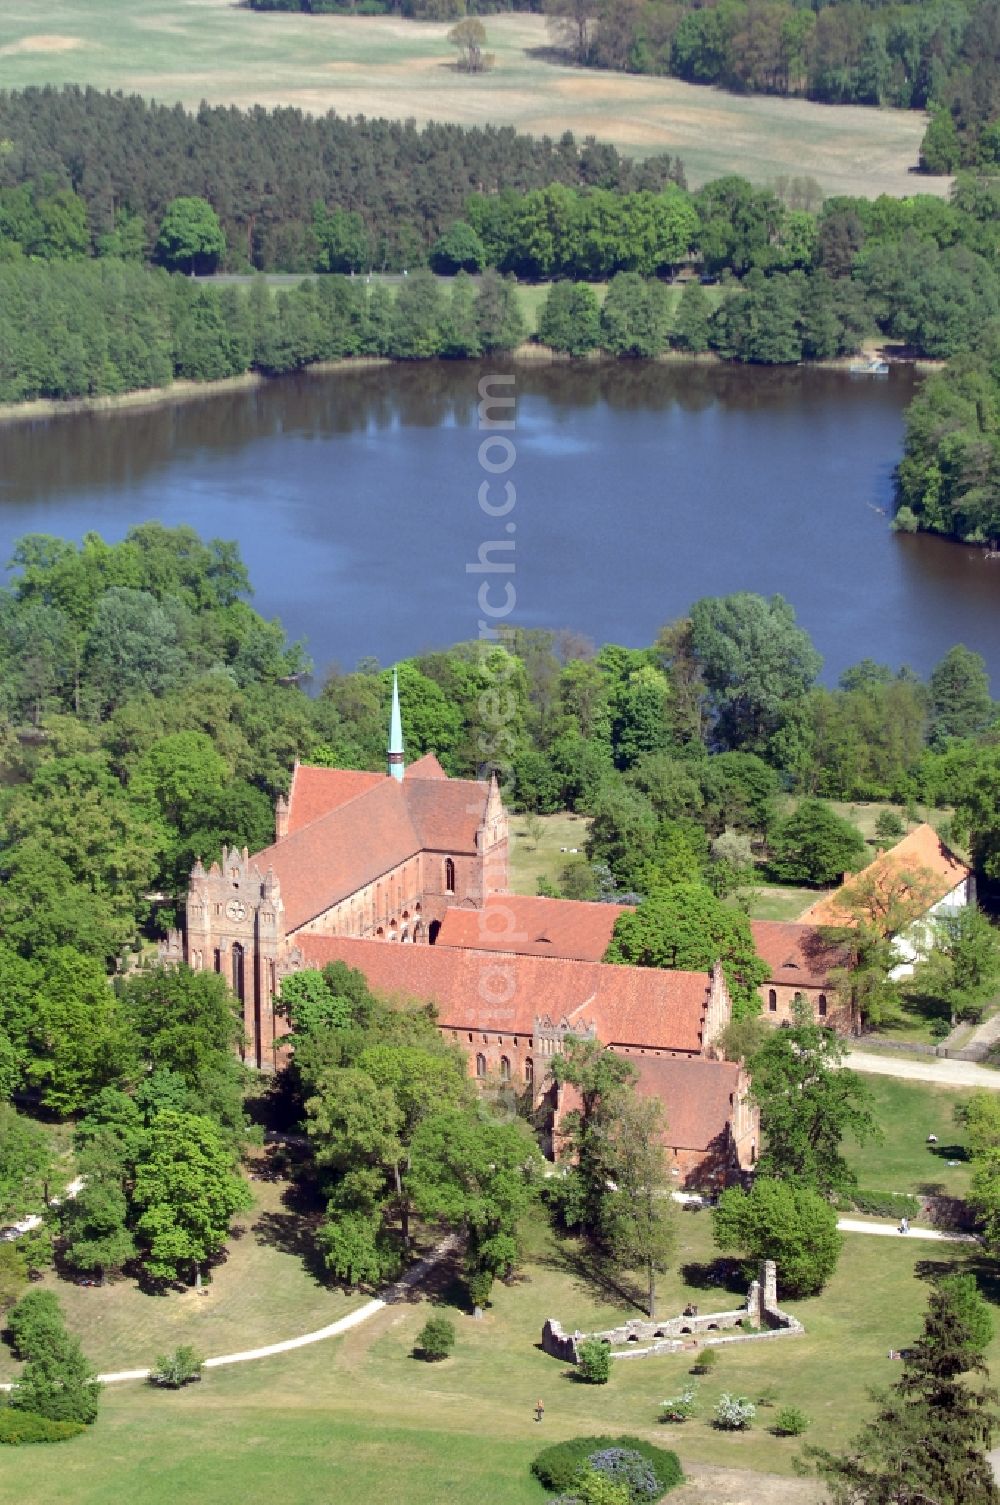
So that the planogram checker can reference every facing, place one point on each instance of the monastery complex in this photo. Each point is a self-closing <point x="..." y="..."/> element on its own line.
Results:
<point x="403" y="876"/>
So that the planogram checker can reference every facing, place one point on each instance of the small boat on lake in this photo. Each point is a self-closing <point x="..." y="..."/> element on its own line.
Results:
<point x="873" y="367"/>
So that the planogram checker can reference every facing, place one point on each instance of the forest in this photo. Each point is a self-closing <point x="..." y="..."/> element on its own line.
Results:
<point x="91" y="229"/>
<point x="939" y="56"/>
<point x="264" y="171"/>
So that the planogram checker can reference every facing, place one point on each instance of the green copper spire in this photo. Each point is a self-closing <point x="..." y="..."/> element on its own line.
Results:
<point x="395" y="733"/>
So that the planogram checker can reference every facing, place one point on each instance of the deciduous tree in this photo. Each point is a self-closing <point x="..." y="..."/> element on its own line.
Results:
<point x="685" y="927"/>
<point x="793" y="1225"/>
<point x="808" y="1102"/>
<point x="187" y="1193"/>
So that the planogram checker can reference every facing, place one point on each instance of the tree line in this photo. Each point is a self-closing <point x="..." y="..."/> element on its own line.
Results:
<point x="948" y="480"/>
<point x="90" y="328"/>
<point x="264" y="171"/>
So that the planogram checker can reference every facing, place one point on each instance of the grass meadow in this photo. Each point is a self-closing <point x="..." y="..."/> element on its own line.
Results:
<point x="907" y="1113"/>
<point x="270" y="1287"/>
<point x="190" y="50"/>
<point x="359" y="1419"/>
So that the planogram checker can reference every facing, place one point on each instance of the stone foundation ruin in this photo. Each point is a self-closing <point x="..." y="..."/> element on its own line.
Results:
<point x="640" y="1338"/>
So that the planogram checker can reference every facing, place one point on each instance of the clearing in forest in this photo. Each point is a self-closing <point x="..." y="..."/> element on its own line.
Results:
<point x="379" y="65"/>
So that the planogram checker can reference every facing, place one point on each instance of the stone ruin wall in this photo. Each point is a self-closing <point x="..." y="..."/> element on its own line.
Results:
<point x="640" y="1338"/>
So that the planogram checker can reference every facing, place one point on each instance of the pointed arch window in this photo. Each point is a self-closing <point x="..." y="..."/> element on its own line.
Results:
<point x="822" y="1005"/>
<point x="449" y="876"/>
<point x="505" y="1068"/>
<point x="480" y="1065"/>
<point x="772" y="1000"/>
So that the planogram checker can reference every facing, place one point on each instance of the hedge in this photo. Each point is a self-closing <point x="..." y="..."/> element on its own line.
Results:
<point x="556" y="1467"/>
<point x="17" y="1427"/>
<point x="886" y="1204"/>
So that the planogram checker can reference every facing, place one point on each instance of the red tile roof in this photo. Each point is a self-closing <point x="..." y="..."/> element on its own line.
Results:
<point x="478" y="990"/>
<point x="322" y="863"/>
<point x="796" y="954"/>
<point x="698" y="1096"/>
<point x="921" y="855"/>
<point x="346" y="829"/>
<point x="446" y="813"/>
<point x="567" y="928"/>
<point x="426" y="767"/>
<point x="315" y="792"/>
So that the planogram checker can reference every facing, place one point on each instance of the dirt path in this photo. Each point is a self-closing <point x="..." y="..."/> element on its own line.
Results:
<point x="707" y="1485"/>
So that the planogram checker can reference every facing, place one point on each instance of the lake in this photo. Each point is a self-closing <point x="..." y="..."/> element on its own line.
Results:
<point x="639" y="488"/>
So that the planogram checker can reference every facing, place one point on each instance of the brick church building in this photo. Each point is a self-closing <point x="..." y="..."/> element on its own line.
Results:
<point x="364" y="860"/>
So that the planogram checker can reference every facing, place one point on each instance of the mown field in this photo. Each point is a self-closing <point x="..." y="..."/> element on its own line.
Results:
<point x="359" y="1418"/>
<point x="269" y="1288"/>
<point x="190" y="50"/>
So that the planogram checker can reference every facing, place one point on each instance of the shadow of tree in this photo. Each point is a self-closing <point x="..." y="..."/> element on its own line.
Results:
<point x="982" y="1269"/>
<point x="559" y="57"/>
<point x="950" y="1151"/>
<point x="594" y="1274"/>
<point x="291" y="1234"/>
<point x="443" y="1285"/>
<point x="716" y="1275"/>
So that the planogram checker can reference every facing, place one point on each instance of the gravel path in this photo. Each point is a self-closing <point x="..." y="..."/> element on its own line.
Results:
<point x="332" y="1330"/>
<point x="938" y="1069"/>
<point x="891" y="1230"/>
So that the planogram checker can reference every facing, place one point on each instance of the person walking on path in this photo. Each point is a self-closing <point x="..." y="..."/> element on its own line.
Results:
<point x="539" y="1410"/>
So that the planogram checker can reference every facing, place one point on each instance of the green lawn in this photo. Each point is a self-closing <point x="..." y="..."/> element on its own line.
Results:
<point x="531" y="860"/>
<point x="265" y="1291"/>
<point x="359" y="1419"/>
<point x="222" y="52"/>
<point x="907" y="1112"/>
<point x="778" y="901"/>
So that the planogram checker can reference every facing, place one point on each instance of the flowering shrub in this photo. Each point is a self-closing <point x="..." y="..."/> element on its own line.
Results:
<point x="679" y="1407"/>
<point x="734" y="1413"/>
<point x="560" y="1467"/>
<point x="172" y="1370"/>
<point x="625" y="1466"/>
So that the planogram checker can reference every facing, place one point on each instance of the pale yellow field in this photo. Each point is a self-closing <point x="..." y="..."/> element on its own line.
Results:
<point x="190" y="50"/>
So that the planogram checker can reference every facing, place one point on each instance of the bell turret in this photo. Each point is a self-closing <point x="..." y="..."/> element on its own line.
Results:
<point x="396" y="766"/>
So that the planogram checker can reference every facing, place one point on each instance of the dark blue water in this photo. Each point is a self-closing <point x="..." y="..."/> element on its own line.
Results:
<point x="639" y="489"/>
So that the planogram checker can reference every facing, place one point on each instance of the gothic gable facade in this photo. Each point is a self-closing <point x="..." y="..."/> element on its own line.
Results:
<point x="362" y="855"/>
